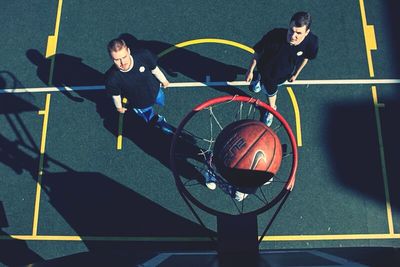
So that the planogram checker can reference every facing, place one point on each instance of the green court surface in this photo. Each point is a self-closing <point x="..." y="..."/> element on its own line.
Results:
<point x="70" y="185"/>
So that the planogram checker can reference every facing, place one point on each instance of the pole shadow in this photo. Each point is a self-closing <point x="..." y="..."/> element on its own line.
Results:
<point x="391" y="143"/>
<point x="352" y="144"/>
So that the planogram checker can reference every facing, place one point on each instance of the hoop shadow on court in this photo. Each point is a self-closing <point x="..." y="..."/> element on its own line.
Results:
<point x="100" y="206"/>
<point x="13" y="252"/>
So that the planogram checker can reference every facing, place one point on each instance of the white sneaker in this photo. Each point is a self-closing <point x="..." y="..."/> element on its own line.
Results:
<point x="239" y="196"/>
<point x="210" y="179"/>
<point x="269" y="181"/>
<point x="268" y="118"/>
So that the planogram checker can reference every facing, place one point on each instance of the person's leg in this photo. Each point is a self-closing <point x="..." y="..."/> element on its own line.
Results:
<point x="154" y="119"/>
<point x="272" y="100"/>
<point x="146" y="114"/>
<point x="161" y="121"/>
<point x="268" y="118"/>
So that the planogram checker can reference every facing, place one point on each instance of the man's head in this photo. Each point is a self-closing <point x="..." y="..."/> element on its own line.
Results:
<point x="299" y="27"/>
<point x="120" y="54"/>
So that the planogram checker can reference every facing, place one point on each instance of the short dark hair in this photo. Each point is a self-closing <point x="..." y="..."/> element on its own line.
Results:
<point x="301" y="19"/>
<point x="115" y="45"/>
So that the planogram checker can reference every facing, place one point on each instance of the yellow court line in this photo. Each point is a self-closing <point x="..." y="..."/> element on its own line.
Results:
<point x="199" y="238"/>
<point x="296" y="115"/>
<point x="370" y="44"/>
<point x="52" y="42"/>
<point x="103" y="238"/>
<point x="331" y="237"/>
<point x="370" y="40"/>
<point x="45" y="114"/>
<point x="204" y="41"/>
<point x="382" y="158"/>
<point x="52" y="39"/>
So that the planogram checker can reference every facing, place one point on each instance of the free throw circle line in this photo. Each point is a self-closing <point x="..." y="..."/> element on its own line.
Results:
<point x="205" y="41"/>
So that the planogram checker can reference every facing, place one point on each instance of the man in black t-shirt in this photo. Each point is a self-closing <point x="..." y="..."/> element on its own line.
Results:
<point x="138" y="78"/>
<point x="281" y="55"/>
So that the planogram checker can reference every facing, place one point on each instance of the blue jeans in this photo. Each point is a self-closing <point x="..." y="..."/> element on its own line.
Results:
<point x="148" y="113"/>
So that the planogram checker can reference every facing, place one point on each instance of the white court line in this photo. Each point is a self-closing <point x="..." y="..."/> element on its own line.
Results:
<point x="205" y="84"/>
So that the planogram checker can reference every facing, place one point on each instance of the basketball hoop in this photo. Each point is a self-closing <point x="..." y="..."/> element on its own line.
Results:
<point x="190" y="160"/>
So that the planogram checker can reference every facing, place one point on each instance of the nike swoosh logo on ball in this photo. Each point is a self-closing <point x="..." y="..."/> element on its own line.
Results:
<point x="259" y="155"/>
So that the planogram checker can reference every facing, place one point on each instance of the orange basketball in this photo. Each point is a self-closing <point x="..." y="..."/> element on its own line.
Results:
<point x="247" y="153"/>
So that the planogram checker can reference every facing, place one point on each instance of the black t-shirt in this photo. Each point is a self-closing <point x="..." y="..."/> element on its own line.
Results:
<point x="139" y="85"/>
<point x="278" y="59"/>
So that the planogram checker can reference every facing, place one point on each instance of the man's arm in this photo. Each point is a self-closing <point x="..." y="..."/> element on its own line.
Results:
<point x="118" y="103"/>
<point x="253" y="64"/>
<point x="160" y="76"/>
<point x="298" y="70"/>
<point x="310" y="53"/>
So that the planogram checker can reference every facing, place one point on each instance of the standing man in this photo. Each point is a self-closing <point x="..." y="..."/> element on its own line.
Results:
<point x="281" y="55"/>
<point x="138" y="78"/>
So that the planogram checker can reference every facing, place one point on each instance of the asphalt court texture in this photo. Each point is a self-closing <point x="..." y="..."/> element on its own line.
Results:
<point x="345" y="192"/>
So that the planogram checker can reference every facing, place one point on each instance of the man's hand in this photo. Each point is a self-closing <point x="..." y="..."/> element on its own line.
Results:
<point x="121" y="110"/>
<point x="165" y="84"/>
<point x="293" y="78"/>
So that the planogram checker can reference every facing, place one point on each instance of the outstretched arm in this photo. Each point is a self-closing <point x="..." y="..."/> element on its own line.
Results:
<point x="298" y="70"/>
<point x="253" y="64"/>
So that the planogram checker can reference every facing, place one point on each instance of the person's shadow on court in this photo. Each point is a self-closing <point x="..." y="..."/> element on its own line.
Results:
<point x="71" y="71"/>
<point x="190" y="64"/>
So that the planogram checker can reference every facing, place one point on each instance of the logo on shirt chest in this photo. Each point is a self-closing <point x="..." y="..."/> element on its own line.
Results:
<point x="142" y="69"/>
<point x="299" y="53"/>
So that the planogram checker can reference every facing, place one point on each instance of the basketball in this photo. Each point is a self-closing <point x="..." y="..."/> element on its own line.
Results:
<point x="247" y="153"/>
